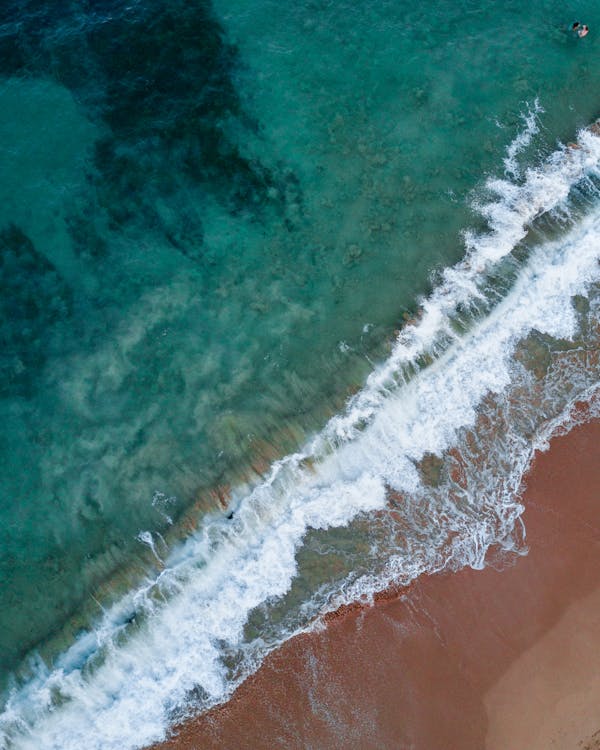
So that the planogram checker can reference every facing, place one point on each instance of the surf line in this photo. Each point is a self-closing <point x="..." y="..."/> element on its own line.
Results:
<point x="509" y="217"/>
<point x="109" y="692"/>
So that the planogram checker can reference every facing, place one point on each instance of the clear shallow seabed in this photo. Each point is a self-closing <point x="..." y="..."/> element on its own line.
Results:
<point x="212" y="219"/>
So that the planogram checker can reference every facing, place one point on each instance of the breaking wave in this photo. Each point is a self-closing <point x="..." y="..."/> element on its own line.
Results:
<point x="428" y="458"/>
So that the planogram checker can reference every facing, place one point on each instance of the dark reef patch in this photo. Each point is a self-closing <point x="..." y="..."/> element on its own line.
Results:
<point x="158" y="77"/>
<point x="33" y="297"/>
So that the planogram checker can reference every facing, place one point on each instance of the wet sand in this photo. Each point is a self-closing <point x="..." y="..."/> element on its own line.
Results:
<point x="507" y="658"/>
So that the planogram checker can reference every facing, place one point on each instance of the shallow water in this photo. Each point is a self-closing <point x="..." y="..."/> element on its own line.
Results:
<point x="212" y="219"/>
<point x="421" y="470"/>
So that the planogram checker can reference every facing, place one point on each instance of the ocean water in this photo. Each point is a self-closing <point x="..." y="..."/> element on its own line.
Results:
<point x="289" y="298"/>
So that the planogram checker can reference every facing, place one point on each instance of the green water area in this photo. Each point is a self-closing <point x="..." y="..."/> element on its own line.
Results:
<point x="213" y="218"/>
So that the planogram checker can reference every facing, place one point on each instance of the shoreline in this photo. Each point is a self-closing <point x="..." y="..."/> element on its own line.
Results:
<point x="494" y="658"/>
<point x="219" y="498"/>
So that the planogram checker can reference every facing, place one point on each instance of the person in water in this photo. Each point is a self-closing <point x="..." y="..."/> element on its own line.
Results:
<point x="575" y="26"/>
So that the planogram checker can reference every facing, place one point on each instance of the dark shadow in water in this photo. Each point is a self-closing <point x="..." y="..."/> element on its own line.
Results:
<point x="158" y="75"/>
<point x="33" y="297"/>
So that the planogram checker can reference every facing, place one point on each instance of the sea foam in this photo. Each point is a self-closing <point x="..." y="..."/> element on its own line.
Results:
<point x="121" y="685"/>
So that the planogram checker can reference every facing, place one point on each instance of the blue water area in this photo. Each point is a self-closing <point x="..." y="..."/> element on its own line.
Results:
<point x="212" y="219"/>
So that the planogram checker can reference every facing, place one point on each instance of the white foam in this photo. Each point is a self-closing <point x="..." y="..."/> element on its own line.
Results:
<point x="543" y="190"/>
<point x="200" y="602"/>
<point x="523" y="139"/>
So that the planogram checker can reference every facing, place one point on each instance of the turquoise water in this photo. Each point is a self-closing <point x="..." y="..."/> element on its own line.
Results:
<point x="212" y="220"/>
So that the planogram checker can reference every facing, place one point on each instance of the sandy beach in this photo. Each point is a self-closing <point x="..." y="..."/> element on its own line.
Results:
<point x="507" y="657"/>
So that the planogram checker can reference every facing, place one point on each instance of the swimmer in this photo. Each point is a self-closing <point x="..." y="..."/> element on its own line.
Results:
<point x="575" y="26"/>
<point x="583" y="31"/>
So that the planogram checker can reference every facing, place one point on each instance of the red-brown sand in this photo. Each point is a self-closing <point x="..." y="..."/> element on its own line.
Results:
<point x="496" y="659"/>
